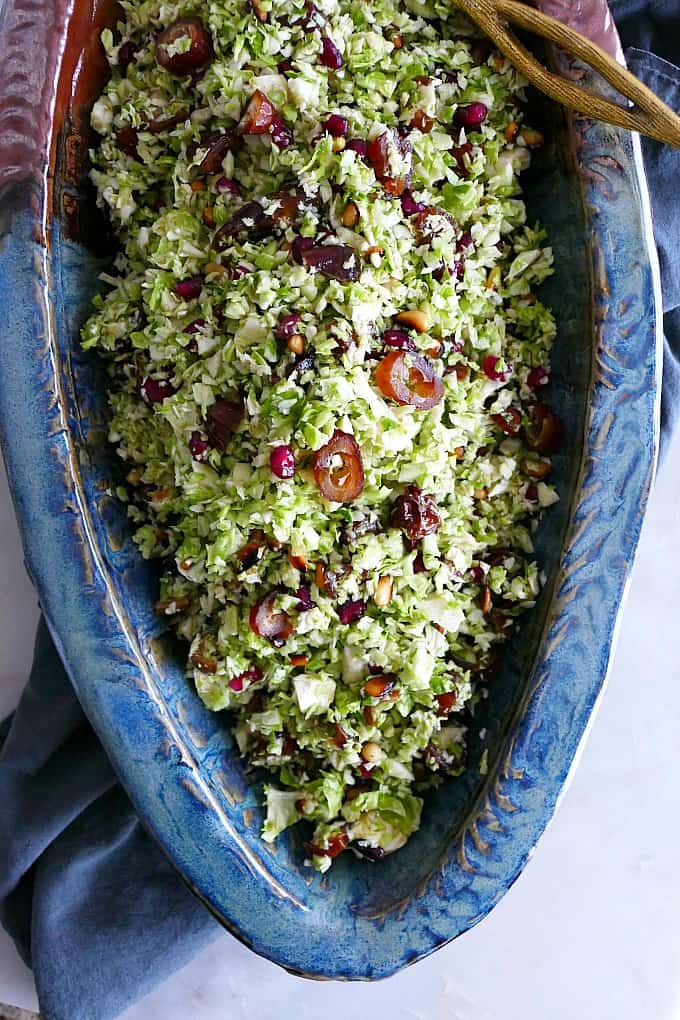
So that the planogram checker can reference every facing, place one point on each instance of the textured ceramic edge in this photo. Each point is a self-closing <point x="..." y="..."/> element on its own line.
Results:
<point x="92" y="630"/>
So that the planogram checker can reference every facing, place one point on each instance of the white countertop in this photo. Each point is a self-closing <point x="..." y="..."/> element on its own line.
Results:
<point x="591" y="929"/>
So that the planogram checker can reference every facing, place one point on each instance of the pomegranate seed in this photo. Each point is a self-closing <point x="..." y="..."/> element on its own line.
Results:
<point x="491" y="370"/>
<point x="223" y="419"/>
<point x="282" y="462"/>
<point x="531" y="494"/>
<point x="194" y="326"/>
<point x="305" y="602"/>
<point x="227" y="186"/>
<point x="477" y="574"/>
<point x="336" y="125"/>
<point x="409" y="206"/>
<point x="366" y="771"/>
<point x="199" y="447"/>
<point x="288" y="326"/>
<point x="397" y="338"/>
<point x="359" y="146"/>
<point x="237" y="683"/>
<point x="300" y="245"/>
<point x="351" y="611"/>
<point x="537" y="377"/>
<point x="189" y="289"/>
<point x="330" y="54"/>
<point x="470" y="116"/>
<point x="155" y="391"/>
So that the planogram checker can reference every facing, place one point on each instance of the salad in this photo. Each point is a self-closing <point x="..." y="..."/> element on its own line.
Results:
<point x="327" y="358"/>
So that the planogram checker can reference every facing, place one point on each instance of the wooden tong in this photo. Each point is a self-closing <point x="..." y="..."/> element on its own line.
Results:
<point x="648" y="114"/>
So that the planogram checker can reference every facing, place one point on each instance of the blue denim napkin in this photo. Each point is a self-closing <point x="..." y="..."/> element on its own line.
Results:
<point x="92" y="904"/>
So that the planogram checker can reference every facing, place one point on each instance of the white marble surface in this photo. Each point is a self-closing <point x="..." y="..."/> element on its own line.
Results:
<point x="591" y="929"/>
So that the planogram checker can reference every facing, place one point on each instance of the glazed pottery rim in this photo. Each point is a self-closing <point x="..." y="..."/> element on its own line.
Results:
<point x="58" y="625"/>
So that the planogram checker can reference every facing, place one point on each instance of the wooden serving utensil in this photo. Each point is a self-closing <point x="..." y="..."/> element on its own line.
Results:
<point x="648" y="115"/>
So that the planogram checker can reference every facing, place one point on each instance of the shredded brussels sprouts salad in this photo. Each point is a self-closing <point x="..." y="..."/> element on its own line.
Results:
<point x="326" y="360"/>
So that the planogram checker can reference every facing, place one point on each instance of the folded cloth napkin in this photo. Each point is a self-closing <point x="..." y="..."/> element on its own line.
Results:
<point x="91" y="902"/>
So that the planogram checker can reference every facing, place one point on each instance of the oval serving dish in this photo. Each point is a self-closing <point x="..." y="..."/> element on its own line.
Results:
<point x="177" y="760"/>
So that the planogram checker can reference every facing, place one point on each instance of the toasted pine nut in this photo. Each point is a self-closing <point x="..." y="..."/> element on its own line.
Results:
<point x="534" y="139"/>
<point x="296" y="343"/>
<point x="493" y="279"/>
<point x="298" y="660"/>
<point x="215" y="267"/>
<point x="350" y="215"/>
<point x="536" y="468"/>
<point x="485" y="603"/>
<point x="383" y="591"/>
<point x="338" y="144"/>
<point x="511" y="131"/>
<point x="372" y="753"/>
<point x="481" y="493"/>
<point x="134" y="476"/>
<point x="198" y="185"/>
<point x="397" y="42"/>
<point x="414" y="318"/>
<point x="209" y="216"/>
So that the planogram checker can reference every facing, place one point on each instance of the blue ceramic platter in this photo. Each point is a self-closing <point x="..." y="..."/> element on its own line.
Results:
<point x="177" y="760"/>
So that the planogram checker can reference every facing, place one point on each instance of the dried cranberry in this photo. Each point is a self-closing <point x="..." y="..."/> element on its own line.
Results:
<point x="282" y="461"/>
<point x="197" y="57"/>
<point x="330" y="55"/>
<point x="338" y="842"/>
<point x="490" y="365"/>
<point x="126" y="140"/>
<point x="288" y="326"/>
<point x="531" y="493"/>
<point x="284" y="66"/>
<point x="352" y="611"/>
<point x="194" y="326"/>
<point x="418" y="563"/>
<point x="199" y="447"/>
<point x="305" y="601"/>
<point x="223" y="419"/>
<point x="537" y="377"/>
<point x="398" y="339"/>
<point x="477" y="574"/>
<point x="470" y="116"/>
<point x="155" y="391"/>
<point x="336" y="125"/>
<point x="126" y="54"/>
<point x="409" y="206"/>
<point x="359" y="146"/>
<point x="416" y="514"/>
<point x="338" y="261"/>
<point x="227" y="186"/>
<point x="300" y="246"/>
<point x="446" y="702"/>
<point x="464" y="242"/>
<point x="311" y="19"/>
<point x="189" y="289"/>
<point x="366" y="850"/>
<point x="215" y="147"/>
